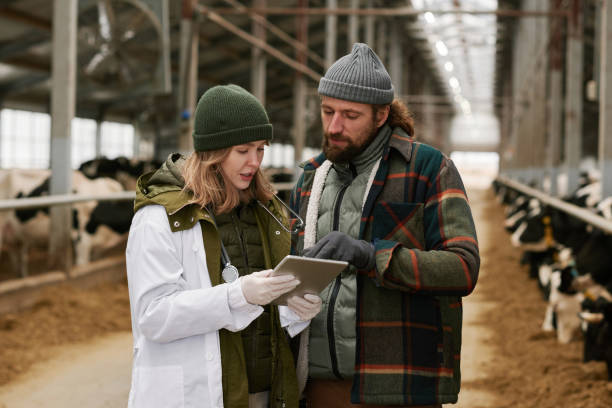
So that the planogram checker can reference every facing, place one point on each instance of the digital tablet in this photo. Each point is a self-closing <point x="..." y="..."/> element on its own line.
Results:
<point x="314" y="274"/>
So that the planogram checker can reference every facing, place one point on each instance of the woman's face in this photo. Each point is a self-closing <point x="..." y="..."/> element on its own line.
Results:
<point x="241" y="164"/>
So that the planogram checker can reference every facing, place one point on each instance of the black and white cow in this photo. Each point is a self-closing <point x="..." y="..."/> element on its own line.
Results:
<point x="15" y="182"/>
<point x="31" y="226"/>
<point x="597" y="328"/>
<point x="125" y="171"/>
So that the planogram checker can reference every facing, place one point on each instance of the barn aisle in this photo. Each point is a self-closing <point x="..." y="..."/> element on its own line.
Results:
<point x="477" y="350"/>
<point x="93" y="375"/>
<point x="507" y="361"/>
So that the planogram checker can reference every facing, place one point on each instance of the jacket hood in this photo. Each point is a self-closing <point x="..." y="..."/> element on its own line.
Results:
<point x="170" y="172"/>
<point x="163" y="186"/>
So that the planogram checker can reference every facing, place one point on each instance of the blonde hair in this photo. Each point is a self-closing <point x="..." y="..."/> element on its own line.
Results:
<point x="204" y="178"/>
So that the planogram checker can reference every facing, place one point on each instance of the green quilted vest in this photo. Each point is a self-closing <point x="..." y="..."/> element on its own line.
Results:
<point x="242" y="241"/>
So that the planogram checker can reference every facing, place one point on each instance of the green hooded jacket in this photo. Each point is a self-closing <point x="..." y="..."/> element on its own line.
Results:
<point x="165" y="187"/>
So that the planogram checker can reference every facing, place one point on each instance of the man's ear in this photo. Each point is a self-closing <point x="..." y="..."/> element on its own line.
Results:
<point x="382" y="115"/>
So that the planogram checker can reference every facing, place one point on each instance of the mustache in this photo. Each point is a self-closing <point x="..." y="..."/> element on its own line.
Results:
<point x="336" y="136"/>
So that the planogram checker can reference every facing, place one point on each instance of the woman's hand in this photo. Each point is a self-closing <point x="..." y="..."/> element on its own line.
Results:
<point x="307" y="307"/>
<point x="259" y="288"/>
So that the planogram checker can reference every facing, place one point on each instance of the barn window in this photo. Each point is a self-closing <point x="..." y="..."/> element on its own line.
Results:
<point x="117" y="140"/>
<point x="83" y="142"/>
<point x="24" y="139"/>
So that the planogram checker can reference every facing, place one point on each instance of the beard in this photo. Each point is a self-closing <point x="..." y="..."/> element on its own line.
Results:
<point x="352" y="149"/>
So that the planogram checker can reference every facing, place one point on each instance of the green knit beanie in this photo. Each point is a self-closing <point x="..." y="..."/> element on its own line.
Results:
<point x="228" y="115"/>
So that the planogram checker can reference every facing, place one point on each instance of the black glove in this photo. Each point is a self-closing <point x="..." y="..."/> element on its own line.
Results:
<point x="340" y="247"/>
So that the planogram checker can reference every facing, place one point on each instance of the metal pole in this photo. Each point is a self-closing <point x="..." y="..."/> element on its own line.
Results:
<point x="573" y="96"/>
<point x="63" y="96"/>
<point x="331" y="27"/>
<point x="136" y="140"/>
<point x="381" y="41"/>
<point x="395" y="51"/>
<point x="99" y="135"/>
<point x="299" y="91"/>
<point x="540" y="125"/>
<point x="369" y="27"/>
<point x="555" y="97"/>
<point x="62" y="200"/>
<point x="258" y="60"/>
<point x="353" y="26"/>
<point x="605" y="100"/>
<point x="188" y="75"/>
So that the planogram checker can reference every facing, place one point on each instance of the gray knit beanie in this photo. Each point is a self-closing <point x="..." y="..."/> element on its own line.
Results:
<point x="228" y="115"/>
<point x="359" y="77"/>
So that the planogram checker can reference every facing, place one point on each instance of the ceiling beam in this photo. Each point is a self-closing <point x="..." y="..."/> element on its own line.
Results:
<point x="21" y="84"/>
<point x="298" y="46"/>
<point x="22" y="44"/>
<point x="256" y="42"/>
<point x="381" y="12"/>
<point x="29" y="64"/>
<point x="25" y="18"/>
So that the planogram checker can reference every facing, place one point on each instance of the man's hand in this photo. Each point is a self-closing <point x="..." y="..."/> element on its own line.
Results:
<point x="341" y="247"/>
<point x="307" y="307"/>
<point x="259" y="288"/>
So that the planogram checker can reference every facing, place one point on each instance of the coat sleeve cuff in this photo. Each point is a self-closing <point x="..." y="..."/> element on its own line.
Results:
<point x="290" y="321"/>
<point x="384" y="252"/>
<point x="237" y="301"/>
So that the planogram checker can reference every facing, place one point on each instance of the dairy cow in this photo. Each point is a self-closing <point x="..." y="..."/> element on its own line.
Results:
<point x="597" y="327"/>
<point x="33" y="224"/>
<point x="13" y="183"/>
<point x="122" y="169"/>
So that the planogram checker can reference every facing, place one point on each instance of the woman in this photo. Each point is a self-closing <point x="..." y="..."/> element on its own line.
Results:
<point x="204" y="333"/>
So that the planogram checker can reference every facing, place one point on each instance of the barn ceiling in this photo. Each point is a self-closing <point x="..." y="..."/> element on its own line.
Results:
<point x="119" y="45"/>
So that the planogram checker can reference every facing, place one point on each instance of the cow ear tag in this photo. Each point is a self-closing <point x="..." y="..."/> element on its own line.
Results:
<point x="229" y="273"/>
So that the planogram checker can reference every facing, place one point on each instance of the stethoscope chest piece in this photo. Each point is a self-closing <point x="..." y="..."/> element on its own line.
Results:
<point x="229" y="273"/>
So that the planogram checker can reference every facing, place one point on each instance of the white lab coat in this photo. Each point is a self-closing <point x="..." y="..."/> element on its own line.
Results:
<point x="176" y="315"/>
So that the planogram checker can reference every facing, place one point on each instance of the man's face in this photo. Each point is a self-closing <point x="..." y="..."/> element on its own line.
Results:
<point x="348" y="128"/>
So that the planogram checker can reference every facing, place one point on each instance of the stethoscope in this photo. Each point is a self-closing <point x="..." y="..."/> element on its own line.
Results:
<point x="230" y="272"/>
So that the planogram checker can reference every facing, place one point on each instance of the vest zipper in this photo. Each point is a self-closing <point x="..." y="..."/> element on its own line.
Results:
<point x="337" y="283"/>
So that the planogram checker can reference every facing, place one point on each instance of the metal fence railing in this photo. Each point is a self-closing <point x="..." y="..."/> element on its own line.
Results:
<point x="571" y="209"/>
<point x="63" y="199"/>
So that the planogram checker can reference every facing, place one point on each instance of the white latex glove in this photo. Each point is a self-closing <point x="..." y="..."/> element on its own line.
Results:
<point x="307" y="307"/>
<point x="259" y="288"/>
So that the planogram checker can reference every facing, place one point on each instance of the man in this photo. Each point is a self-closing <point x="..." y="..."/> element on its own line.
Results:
<point x="389" y="332"/>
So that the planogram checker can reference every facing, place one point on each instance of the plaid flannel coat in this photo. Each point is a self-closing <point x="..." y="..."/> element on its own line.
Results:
<point x="409" y="308"/>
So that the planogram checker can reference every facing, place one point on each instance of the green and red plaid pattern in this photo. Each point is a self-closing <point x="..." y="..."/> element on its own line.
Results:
<point x="409" y="309"/>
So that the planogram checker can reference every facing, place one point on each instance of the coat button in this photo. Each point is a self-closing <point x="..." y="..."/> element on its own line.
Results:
<point x="191" y="219"/>
<point x="177" y="224"/>
<point x="145" y="191"/>
<point x="277" y="232"/>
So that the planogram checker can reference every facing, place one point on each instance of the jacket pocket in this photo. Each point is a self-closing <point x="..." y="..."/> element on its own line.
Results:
<point x="158" y="387"/>
<point x="400" y="222"/>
